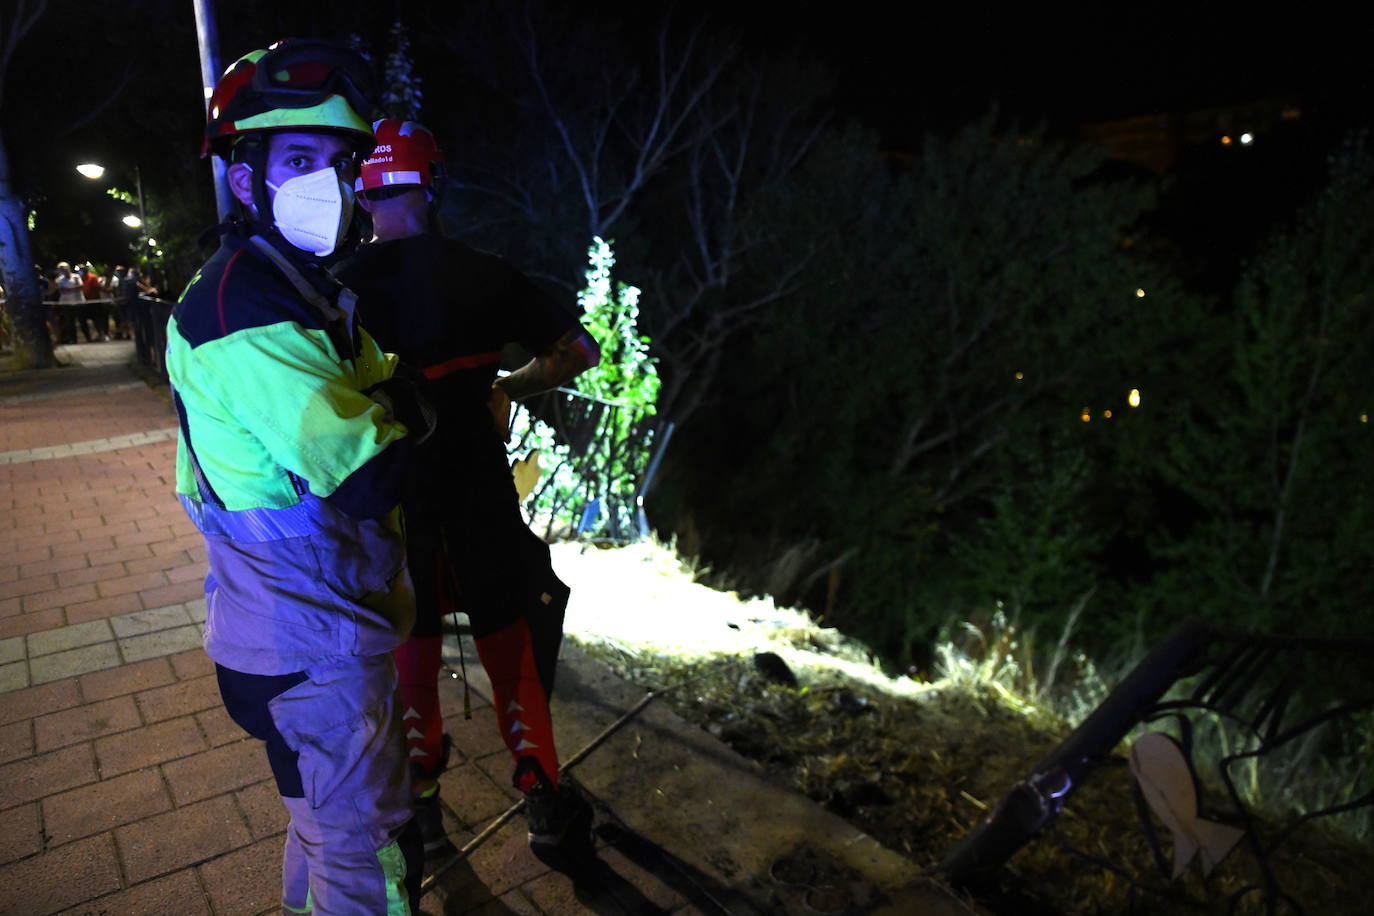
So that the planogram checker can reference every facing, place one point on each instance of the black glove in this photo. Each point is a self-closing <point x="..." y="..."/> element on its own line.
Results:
<point x="404" y="396"/>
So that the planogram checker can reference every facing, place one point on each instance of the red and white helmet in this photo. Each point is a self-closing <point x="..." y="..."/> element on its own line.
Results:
<point x="405" y="154"/>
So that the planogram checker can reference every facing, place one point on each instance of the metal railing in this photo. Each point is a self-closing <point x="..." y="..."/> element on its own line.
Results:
<point x="1277" y="697"/>
<point x="147" y="318"/>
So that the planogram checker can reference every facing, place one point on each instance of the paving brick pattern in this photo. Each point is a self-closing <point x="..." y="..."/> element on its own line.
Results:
<point x="124" y="787"/>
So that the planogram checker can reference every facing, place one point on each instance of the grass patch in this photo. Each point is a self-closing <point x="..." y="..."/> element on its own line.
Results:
<point x="916" y="764"/>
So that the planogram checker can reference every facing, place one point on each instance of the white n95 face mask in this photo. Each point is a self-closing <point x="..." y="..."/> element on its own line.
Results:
<point x="312" y="211"/>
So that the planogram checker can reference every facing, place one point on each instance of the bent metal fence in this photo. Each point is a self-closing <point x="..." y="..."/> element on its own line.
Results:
<point x="596" y="473"/>
<point x="149" y="316"/>
<point x="1279" y="731"/>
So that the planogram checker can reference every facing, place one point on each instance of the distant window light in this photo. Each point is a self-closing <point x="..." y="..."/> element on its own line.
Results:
<point x="1247" y="138"/>
<point x="1086" y="415"/>
<point x="1364" y="418"/>
<point x="1226" y="140"/>
<point x="1020" y="375"/>
<point x="1140" y="293"/>
<point x="1134" y="397"/>
<point x="1106" y="414"/>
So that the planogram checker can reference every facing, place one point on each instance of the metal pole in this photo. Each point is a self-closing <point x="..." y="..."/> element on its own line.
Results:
<point x="641" y="521"/>
<point x="207" y="35"/>
<point x="138" y="182"/>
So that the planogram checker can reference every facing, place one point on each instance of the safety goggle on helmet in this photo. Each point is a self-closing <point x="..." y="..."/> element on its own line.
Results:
<point x="406" y="154"/>
<point x="295" y="84"/>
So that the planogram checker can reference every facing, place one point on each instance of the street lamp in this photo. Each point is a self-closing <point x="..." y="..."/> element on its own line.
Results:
<point x="95" y="171"/>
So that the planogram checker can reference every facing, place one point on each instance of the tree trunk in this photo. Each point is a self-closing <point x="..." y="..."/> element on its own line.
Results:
<point x="24" y="301"/>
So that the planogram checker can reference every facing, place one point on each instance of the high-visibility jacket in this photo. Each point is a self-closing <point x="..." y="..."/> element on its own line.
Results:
<point x="290" y="470"/>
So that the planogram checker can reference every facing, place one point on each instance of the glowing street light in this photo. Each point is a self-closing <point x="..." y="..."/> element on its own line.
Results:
<point x="95" y="171"/>
<point x="1134" y="397"/>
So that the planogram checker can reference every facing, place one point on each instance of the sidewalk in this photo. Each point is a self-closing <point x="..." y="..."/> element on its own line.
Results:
<point x="125" y="789"/>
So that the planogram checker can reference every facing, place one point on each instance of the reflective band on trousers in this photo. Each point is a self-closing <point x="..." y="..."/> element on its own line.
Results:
<point x="393" y="864"/>
<point x="253" y="526"/>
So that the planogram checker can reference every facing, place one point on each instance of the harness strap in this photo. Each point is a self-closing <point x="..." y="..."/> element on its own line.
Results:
<point x="207" y="492"/>
<point x="336" y="314"/>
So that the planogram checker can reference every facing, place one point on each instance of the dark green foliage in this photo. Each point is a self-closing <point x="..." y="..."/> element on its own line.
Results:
<point x="1273" y="448"/>
<point x="897" y="432"/>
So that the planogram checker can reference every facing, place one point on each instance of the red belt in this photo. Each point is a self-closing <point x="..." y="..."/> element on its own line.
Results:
<point x="439" y="370"/>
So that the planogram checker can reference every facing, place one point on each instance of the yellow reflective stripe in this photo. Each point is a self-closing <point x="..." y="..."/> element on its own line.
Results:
<point x="332" y="112"/>
<point x="393" y="864"/>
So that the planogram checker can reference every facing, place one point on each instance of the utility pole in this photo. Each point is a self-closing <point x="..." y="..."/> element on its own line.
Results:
<point x="138" y="181"/>
<point x="207" y="35"/>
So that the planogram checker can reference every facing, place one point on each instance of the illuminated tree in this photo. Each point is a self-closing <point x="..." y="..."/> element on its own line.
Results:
<point x="592" y="486"/>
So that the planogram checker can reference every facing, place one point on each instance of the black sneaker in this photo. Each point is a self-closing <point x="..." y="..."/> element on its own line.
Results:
<point x="429" y="817"/>
<point x="558" y="819"/>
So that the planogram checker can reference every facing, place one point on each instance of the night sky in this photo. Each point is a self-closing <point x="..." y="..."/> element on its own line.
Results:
<point x="905" y="70"/>
<point x="902" y="74"/>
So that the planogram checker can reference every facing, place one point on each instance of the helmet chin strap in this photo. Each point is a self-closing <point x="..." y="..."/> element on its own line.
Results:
<point x="251" y="152"/>
<point x="434" y="194"/>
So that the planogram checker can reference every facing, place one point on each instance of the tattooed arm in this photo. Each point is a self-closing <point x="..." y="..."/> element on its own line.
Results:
<point x="570" y="355"/>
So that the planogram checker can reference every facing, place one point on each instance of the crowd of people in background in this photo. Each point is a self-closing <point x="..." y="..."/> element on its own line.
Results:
<point x="87" y="303"/>
<point x="96" y="305"/>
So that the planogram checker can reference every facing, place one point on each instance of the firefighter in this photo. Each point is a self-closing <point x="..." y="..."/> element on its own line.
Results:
<point x="448" y="311"/>
<point x="295" y="436"/>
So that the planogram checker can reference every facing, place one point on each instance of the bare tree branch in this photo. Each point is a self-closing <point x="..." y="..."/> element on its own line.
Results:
<point x="22" y="17"/>
<point x="99" y="107"/>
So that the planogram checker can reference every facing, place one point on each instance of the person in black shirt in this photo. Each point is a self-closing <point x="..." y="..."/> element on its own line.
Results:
<point x="447" y="311"/>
